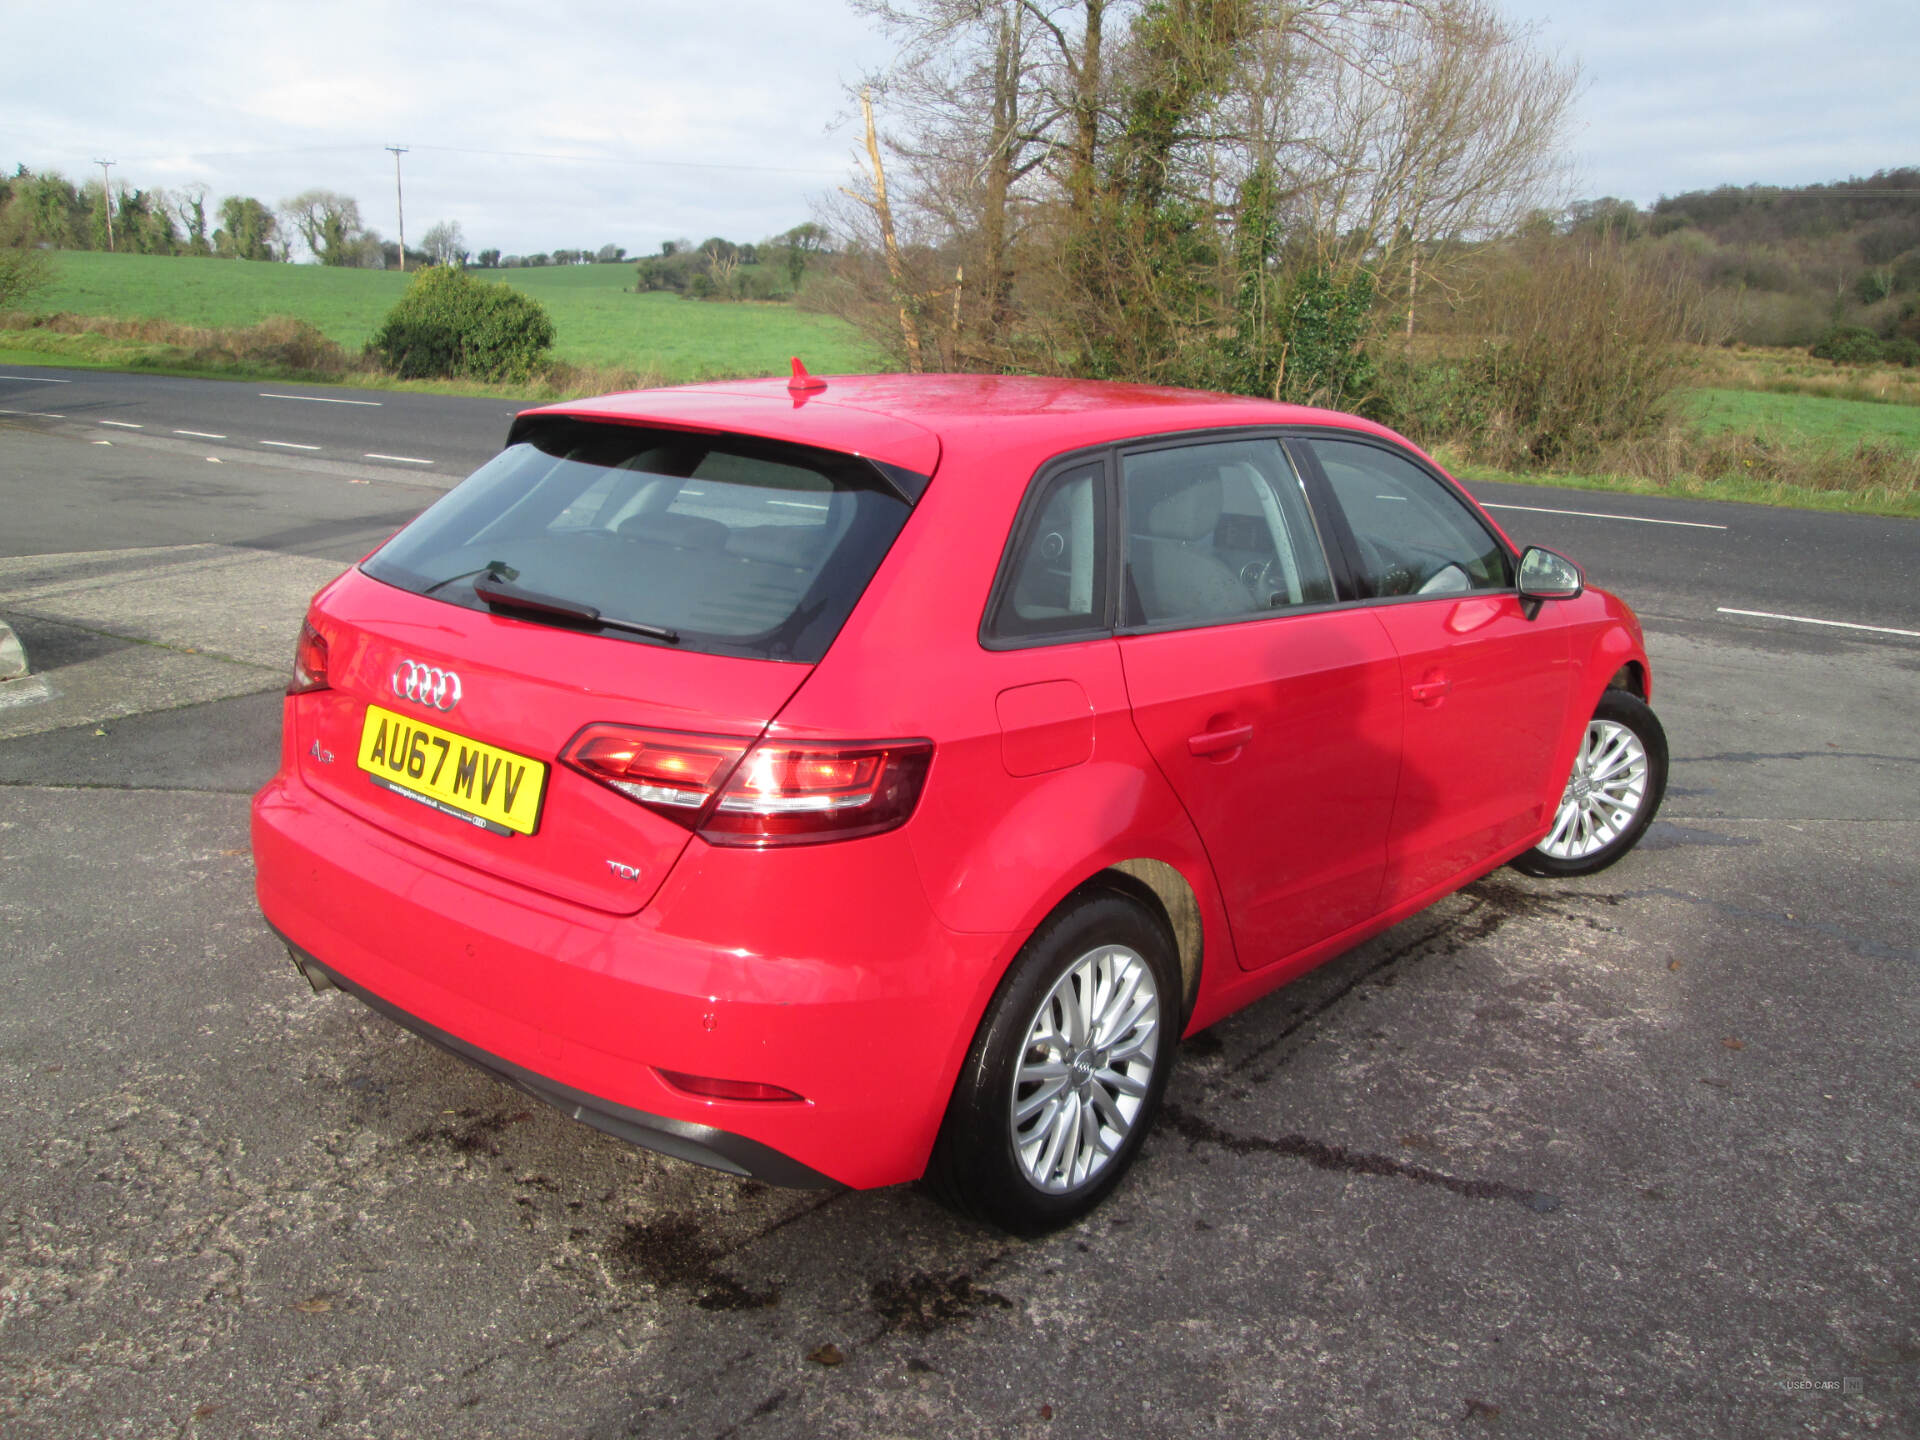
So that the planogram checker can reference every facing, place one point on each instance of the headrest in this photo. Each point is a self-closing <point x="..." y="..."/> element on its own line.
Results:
<point x="1188" y="506"/>
<point x="795" y="545"/>
<point x="690" y="532"/>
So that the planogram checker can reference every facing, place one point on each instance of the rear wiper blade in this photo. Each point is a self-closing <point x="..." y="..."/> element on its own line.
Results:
<point x="503" y="595"/>
<point x="498" y="569"/>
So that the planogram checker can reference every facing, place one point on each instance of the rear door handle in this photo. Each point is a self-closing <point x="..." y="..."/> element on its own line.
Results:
<point x="1212" y="742"/>
<point x="1427" y="692"/>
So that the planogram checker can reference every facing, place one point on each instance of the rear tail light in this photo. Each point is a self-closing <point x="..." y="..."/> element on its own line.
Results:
<point x="780" y="792"/>
<point x="309" y="661"/>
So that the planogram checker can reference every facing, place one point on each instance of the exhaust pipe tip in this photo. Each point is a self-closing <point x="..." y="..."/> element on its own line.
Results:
<point x="311" y="970"/>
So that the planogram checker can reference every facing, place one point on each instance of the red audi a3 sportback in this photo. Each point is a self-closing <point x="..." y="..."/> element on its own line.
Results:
<point x="873" y="780"/>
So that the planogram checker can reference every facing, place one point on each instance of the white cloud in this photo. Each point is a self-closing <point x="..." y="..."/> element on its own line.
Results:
<point x="272" y="99"/>
<point x="1736" y="92"/>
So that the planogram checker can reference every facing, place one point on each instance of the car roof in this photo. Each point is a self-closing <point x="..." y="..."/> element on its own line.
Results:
<point x="908" y="420"/>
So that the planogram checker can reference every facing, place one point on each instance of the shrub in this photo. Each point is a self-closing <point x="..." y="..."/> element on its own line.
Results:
<point x="1582" y="349"/>
<point x="23" y="271"/>
<point x="451" y="325"/>
<point x="1431" y="400"/>
<point x="1848" y="345"/>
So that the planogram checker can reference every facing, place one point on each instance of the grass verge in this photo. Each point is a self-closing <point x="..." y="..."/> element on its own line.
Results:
<point x="276" y="349"/>
<point x="1735" y="489"/>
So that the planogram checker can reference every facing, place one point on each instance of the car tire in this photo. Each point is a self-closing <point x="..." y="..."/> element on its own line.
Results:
<point x="1066" y="1070"/>
<point x="1612" y="794"/>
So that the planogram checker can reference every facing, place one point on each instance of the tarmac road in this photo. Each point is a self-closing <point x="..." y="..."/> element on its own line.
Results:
<point x="1629" y="1156"/>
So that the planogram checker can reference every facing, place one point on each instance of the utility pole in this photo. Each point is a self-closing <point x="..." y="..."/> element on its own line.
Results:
<point x="400" y="203"/>
<point x="106" y="190"/>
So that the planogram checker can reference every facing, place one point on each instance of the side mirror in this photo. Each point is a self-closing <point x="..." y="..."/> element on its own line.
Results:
<point x="1547" y="576"/>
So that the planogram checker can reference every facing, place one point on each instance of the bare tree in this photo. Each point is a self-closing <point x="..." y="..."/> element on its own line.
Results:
<point x="1448" y="128"/>
<point x="443" y="244"/>
<point x="188" y="206"/>
<point x="872" y="196"/>
<point x="1124" y="183"/>
<point x="329" y="224"/>
<point x="723" y="264"/>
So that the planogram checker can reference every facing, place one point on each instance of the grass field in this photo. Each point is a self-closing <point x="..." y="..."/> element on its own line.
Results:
<point x="596" y="321"/>
<point x="1808" y="419"/>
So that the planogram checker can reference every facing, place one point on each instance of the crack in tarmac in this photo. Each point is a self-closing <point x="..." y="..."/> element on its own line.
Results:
<point x="1324" y="1155"/>
<point x="1751" y="757"/>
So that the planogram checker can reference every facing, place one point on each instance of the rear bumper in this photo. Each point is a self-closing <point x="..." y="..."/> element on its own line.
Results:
<point x="682" y="1139"/>
<point x="821" y="970"/>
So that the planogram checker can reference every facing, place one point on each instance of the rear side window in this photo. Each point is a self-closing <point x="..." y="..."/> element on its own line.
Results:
<point x="740" y="546"/>
<point x="1056" y="582"/>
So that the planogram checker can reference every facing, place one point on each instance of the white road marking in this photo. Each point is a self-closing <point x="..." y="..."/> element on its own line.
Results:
<point x="403" y="459"/>
<point x="36" y="379"/>
<point x="103" y="442"/>
<point x="123" y="424"/>
<point x="319" y="399"/>
<point x="289" y="445"/>
<point x="1602" y="515"/>
<point x="1809" y="620"/>
<point x="46" y="415"/>
<point x="213" y="459"/>
<point x="200" y="434"/>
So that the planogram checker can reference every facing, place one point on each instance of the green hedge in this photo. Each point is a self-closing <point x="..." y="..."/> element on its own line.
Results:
<point x="1852" y="345"/>
<point x="450" y="325"/>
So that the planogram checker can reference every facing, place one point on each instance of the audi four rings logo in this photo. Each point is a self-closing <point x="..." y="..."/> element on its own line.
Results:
<point x="426" y="684"/>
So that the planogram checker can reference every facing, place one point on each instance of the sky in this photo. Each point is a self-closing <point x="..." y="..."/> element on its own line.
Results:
<point x="577" y="124"/>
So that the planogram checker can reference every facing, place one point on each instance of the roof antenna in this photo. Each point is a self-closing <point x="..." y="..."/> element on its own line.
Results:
<point x="802" y="383"/>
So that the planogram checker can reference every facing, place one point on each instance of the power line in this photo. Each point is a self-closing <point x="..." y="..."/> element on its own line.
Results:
<point x="624" y="160"/>
<point x="629" y="160"/>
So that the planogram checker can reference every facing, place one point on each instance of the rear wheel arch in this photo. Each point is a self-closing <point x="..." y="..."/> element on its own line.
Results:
<point x="1162" y="887"/>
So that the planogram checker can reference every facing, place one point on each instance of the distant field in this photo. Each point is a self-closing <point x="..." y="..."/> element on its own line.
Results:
<point x="599" y="323"/>
<point x="1814" y="419"/>
<point x="345" y="304"/>
<point x="596" y="322"/>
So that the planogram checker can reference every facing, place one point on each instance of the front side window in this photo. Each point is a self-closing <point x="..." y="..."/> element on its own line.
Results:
<point x="1415" y="536"/>
<point x="1218" y="531"/>
<point x="1056" y="580"/>
<point x="729" y="544"/>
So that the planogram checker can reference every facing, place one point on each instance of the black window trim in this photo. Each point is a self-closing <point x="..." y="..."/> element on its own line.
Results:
<point x="1329" y="518"/>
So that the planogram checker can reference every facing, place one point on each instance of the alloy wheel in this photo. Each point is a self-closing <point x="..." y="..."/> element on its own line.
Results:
<point x="1603" y="795"/>
<point x="1085" y="1068"/>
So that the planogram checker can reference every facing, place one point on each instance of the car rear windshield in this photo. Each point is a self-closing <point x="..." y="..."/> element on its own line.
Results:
<point x="728" y="544"/>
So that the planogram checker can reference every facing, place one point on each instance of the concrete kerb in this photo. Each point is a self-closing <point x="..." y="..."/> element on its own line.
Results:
<point x="13" y="655"/>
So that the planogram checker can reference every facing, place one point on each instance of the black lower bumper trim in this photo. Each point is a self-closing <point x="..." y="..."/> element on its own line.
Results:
<point x="682" y="1139"/>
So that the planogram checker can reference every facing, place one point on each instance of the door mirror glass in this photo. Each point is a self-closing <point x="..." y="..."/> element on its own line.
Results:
<point x="1547" y="576"/>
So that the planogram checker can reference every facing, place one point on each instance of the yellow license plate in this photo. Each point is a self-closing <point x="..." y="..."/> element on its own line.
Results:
<point x="483" y="785"/>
